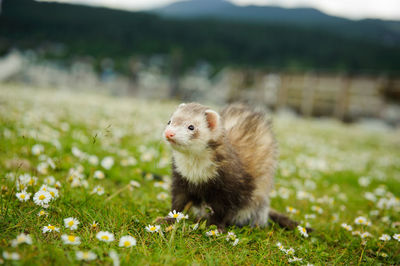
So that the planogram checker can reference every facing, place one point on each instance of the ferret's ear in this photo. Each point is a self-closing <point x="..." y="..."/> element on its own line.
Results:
<point x="181" y="105"/>
<point x="212" y="118"/>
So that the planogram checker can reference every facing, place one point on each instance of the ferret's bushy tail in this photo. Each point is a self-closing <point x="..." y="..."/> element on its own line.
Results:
<point x="284" y="221"/>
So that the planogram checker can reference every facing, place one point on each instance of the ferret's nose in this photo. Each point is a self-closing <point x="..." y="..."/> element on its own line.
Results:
<point x="169" y="134"/>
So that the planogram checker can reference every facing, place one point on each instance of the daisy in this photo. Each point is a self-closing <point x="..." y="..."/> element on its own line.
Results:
<point x="23" y="196"/>
<point x="397" y="237"/>
<point x="290" y="251"/>
<point x="235" y="242"/>
<point x="37" y="149"/>
<point x="71" y="240"/>
<point x="42" y="198"/>
<point x="50" y="180"/>
<point x="114" y="257"/>
<point x="294" y="259"/>
<point x="71" y="223"/>
<point x="152" y="228"/>
<point x="317" y="209"/>
<point x="362" y="220"/>
<point x="11" y="255"/>
<point x="127" y="241"/>
<point x="105" y="236"/>
<point x="177" y="215"/>
<point x="162" y="196"/>
<point x="93" y="160"/>
<point x="134" y="183"/>
<point x="347" y="227"/>
<point x="385" y="237"/>
<point x="50" y="228"/>
<point x="21" y="238"/>
<point x="43" y="212"/>
<point x="280" y="246"/>
<point x="57" y="185"/>
<point x="98" y="174"/>
<point x="230" y="236"/>
<point x="99" y="190"/>
<point x="365" y="235"/>
<point x="94" y="225"/>
<point x="291" y="210"/>
<point x="85" y="255"/>
<point x="212" y="233"/>
<point x="302" y="231"/>
<point x="107" y="162"/>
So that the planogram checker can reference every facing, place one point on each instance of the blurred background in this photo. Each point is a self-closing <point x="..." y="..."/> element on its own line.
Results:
<point x="307" y="58"/>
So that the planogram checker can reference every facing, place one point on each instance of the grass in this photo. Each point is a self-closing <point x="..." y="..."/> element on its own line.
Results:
<point x="321" y="163"/>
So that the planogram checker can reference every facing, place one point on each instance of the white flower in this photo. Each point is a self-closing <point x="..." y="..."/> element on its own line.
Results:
<point x="362" y="220"/>
<point x="94" y="225"/>
<point x="50" y="228"/>
<point x="397" y="237"/>
<point x="37" y="149"/>
<point x="114" y="257"/>
<point x="71" y="223"/>
<point x="364" y="181"/>
<point x="347" y="227"/>
<point x="107" y="162"/>
<point x="162" y="196"/>
<point x="280" y="246"/>
<point x="21" y="238"/>
<point x="93" y="160"/>
<point x="290" y="251"/>
<point x="291" y="210"/>
<point x="11" y="255"/>
<point x="294" y="259"/>
<point x="99" y="190"/>
<point x="302" y="231"/>
<point x="42" y="212"/>
<point x="234" y="243"/>
<point x="177" y="215"/>
<point x="365" y="234"/>
<point x="85" y="255"/>
<point x="42" y="168"/>
<point x="71" y="240"/>
<point x="212" y="233"/>
<point x="317" y="209"/>
<point x="98" y="174"/>
<point x="385" y="237"/>
<point x="127" y="241"/>
<point x="53" y="191"/>
<point x="310" y="216"/>
<point x="195" y="226"/>
<point x="23" y="196"/>
<point x="50" y="180"/>
<point x="105" y="236"/>
<point x="42" y="198"/>
<point x="152" y="228"/>
<point x="230" y="236"/>
<point x="134" y="183"/>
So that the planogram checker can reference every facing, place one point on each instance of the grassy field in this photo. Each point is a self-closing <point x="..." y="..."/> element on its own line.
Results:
<point x="329" y="174"/>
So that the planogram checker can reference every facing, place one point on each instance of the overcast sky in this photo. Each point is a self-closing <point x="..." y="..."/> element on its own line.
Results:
<point x="355" y="9"/>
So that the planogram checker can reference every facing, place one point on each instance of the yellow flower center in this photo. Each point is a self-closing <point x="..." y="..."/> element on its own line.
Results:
<point x="85" y="255"/>
<point x="42" y="197"/>
<point x="213" y="232"/>
<point x="51" y="227"/>
<point x="175" y="215"/>
<point x="31" y="181"/>
<point x="153" y="228"/>
<point x="303" y="229"/>
<point x="23" y="196"/>
<point x="71" y="238"/>
<point x="104" y="237"/>
<point x="71" y="223"/>
<point x="127" y="243"/>
<point x="41" y="212"/>
<point x="52" y="193"/>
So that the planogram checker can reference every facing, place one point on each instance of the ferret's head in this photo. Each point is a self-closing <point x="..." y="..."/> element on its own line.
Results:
<point x="191" y="127"/>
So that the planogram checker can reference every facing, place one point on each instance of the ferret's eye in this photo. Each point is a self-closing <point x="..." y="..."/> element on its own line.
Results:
<point x="169" y="122"/>
<point x="191" y="127"/>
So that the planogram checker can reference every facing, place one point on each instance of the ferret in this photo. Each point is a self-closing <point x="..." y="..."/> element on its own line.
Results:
<point x="223" y="162"/>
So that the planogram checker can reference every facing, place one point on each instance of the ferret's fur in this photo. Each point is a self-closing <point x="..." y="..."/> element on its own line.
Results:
<point x="227" y="163"/>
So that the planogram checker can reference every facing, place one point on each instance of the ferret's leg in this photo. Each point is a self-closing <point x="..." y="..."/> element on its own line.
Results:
<point x="220" y="217"/>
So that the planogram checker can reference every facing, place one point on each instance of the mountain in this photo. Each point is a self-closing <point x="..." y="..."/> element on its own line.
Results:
<point x="66" y="32"/>
<point x="387" y="32"/>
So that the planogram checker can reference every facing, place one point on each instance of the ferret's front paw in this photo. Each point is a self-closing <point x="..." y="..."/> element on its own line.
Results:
<point x="164" y="220"/>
